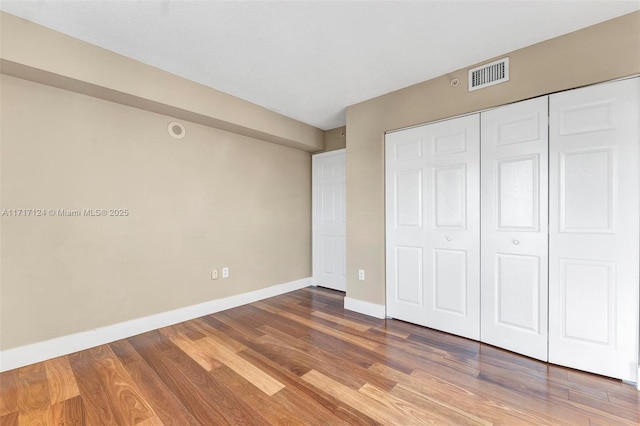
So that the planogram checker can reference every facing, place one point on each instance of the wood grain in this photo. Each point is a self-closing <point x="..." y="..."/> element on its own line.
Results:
<point x="195" y="349"/>
<point x="374" y="407"/>
<point x="10" y="419"/>
<point x="301" y="359"/>
<point x="62" y="382"/>
<point x="254" y="375"/>
<point x="69" y="412"/>
<point x="111" y="395"/>
<point x="34" y="406"/>
<point x="9" y="393"/>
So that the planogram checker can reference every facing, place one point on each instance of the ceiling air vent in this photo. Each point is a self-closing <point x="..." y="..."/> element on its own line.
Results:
<point x="489" y="74"/>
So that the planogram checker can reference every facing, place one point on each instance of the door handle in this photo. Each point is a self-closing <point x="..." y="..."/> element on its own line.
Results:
<point x="449" y="238"/>
<point x="516" y="242"/>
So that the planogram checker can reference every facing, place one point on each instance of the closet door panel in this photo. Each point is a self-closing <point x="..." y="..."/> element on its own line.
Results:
<point x="406" y="230"/>
<point x="514" y="227"/>
<point x="449" y="196"/>
<point x="517" y="200"/>
<point x="594" y="232"/>
<point x="452" y="282"/>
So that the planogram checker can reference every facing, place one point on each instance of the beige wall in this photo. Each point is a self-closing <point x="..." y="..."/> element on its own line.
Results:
<point x="212" y="199"/>
<point x="603" y="52"/>
<point x="222" y="196"/>
<point x="335" y="139"/>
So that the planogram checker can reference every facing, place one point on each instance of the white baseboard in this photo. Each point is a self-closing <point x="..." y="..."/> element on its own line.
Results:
<point x="367" y="308"/>
<point x="48" y="349"/>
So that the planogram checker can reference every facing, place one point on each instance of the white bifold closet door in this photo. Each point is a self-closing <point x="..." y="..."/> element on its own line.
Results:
<point x="514" y="227"/>
<point x="594" y="237"/>
<point x="432" y="224"/>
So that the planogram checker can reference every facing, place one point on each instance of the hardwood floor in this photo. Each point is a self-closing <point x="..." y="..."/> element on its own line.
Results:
<point x="300" y="358"/>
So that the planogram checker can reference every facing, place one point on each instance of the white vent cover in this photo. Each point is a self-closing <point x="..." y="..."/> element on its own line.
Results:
<point x="489" y="74"/>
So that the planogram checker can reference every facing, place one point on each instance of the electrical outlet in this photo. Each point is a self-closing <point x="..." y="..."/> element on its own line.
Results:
<point x="214" y="274"/>
<point x="361" y="274"/>
<point x="225" y="272"/>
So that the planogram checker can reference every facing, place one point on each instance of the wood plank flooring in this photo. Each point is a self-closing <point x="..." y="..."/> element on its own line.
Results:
<point x="301" y="359"/>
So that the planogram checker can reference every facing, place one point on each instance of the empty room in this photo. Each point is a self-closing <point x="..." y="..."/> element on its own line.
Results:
<point x="319" y="212"/>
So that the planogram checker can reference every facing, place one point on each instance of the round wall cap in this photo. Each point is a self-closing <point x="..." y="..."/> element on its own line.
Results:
<point x="176" y="130"/>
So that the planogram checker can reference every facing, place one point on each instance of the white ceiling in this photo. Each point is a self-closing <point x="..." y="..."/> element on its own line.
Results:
<point x="310" y="59"/>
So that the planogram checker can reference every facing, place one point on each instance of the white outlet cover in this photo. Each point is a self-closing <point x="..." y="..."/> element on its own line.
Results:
<point x="361" y="274"/>
<point x="214" y="274"/>
<point x="225" y="272"/>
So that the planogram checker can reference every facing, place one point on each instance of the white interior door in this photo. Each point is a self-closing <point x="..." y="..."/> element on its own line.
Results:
<point x="514" y="227"/>
<point x="593" y="280"/>
<point x="329" y="219"/>
<point x="452" y="283"/>
<point x="432" y="224"/>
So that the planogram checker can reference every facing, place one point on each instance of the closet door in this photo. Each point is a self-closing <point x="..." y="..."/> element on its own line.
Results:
<point x="452" y="283"/>
<point x="406" y="229"/>
<point x="514" y="227"/>
<point x="593" y="280"/>
<point x="432" y="223"/>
